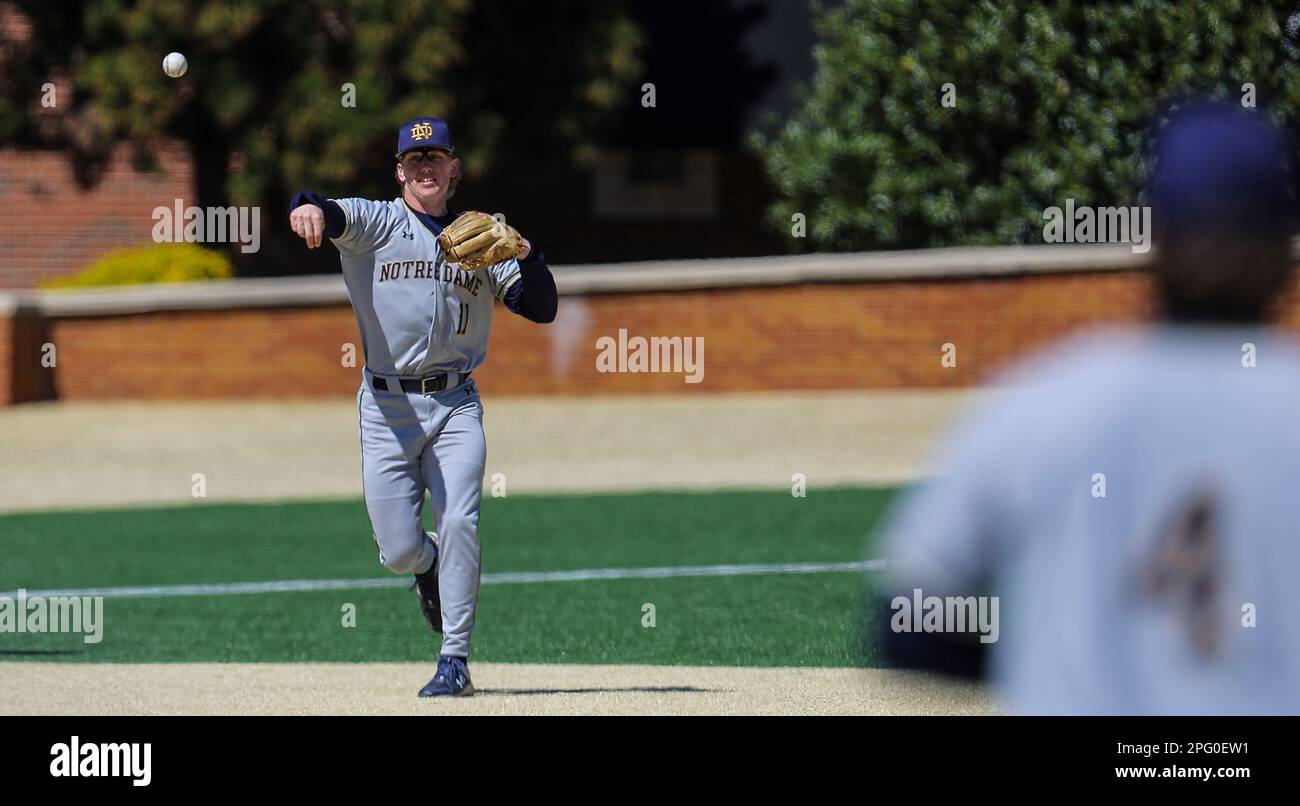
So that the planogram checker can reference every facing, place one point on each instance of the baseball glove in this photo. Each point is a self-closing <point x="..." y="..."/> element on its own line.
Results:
<point x="477" y="240"/>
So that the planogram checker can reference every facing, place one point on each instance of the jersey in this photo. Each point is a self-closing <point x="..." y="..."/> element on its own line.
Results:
<point x="1131" y="497"/>
<point x="417" y="313"/>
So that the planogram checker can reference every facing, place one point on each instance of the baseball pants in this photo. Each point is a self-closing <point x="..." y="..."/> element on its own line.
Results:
<point x="411" y="443"/>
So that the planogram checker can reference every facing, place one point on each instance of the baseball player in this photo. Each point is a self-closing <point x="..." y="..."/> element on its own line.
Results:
<point x="423" y="281"/>
<point x="1129" y="496"/>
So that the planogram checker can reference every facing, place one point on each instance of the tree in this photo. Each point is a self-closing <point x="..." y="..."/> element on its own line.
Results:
<point x="1052" y="101"/>
<point x="262" y="104"/>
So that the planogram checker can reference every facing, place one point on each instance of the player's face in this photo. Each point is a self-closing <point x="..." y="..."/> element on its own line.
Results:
<point x="427" y="174"/>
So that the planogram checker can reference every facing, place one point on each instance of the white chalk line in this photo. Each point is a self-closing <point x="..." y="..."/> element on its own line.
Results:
<point x="510" y="578"/>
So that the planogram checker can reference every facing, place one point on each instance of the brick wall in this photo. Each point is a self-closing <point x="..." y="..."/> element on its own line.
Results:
<point x="841" y="336"/>
<point x="52" y="227"/>
<point x="9" y="361"/>
<point x="22" y="339"/>
<point x="836" y="336"/>
<point x="258" y="353"/>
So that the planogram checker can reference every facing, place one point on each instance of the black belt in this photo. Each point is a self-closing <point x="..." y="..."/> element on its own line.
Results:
<point x="428" y="385"/>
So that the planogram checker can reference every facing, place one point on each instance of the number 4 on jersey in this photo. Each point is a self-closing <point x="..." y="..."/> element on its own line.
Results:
<point x="1184" y="571"/>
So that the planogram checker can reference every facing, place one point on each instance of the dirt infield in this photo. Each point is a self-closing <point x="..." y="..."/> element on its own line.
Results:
<point x="503" y="689"/>
<point x="77" y="455"/>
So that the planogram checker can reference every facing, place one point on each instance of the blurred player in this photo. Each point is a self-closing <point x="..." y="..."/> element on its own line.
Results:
<point x="1132" y="496"/>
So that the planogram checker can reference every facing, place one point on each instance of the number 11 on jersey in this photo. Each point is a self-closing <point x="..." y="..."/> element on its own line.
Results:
<point x="462" y="327"/>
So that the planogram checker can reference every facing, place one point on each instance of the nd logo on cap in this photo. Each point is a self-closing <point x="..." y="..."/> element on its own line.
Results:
<point x="424" y="133"/>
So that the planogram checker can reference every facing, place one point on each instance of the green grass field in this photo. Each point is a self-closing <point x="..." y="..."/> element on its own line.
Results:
<point x="759" y="620"/>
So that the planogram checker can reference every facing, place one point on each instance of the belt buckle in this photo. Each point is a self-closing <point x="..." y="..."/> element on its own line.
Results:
<point x="438" y="382"/>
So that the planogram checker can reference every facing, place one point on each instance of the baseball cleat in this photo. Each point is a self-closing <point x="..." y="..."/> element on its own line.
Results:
<point x="430" y="601"/>
<point x="451" y="680"/>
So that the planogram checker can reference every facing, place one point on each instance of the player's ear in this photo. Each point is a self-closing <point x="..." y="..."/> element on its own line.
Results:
<point x="400" y="174"/>
<point x="455" y="168"/>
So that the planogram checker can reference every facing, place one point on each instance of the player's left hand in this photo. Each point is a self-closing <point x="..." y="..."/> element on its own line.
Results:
<point x="477" y="240"/>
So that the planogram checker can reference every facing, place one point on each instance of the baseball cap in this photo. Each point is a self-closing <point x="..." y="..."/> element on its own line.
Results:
<point x="424" y="133"/>
<point x="1220" y="166"/>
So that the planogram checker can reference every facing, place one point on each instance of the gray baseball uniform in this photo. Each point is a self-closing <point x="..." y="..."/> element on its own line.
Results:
<point x="419" y="315"/>
<point x="1171" y="419"/>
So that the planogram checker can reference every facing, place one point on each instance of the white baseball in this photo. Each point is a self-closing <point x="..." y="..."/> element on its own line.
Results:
<point x="175" y="65"/>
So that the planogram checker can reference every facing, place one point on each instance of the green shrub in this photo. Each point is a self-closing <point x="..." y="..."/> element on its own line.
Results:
<point x="1052" y="100"/>
<point x="155" y="263"/>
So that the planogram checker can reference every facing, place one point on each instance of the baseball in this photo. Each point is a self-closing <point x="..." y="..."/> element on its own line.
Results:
<point x="174" y="64"/>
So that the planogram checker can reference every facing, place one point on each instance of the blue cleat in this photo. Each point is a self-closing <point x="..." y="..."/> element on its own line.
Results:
<point x="451" y="680"/>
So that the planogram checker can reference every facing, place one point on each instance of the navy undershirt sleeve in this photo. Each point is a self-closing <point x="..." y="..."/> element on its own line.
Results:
<point x="534" y="296"/>
<point x="335" y="221"/>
